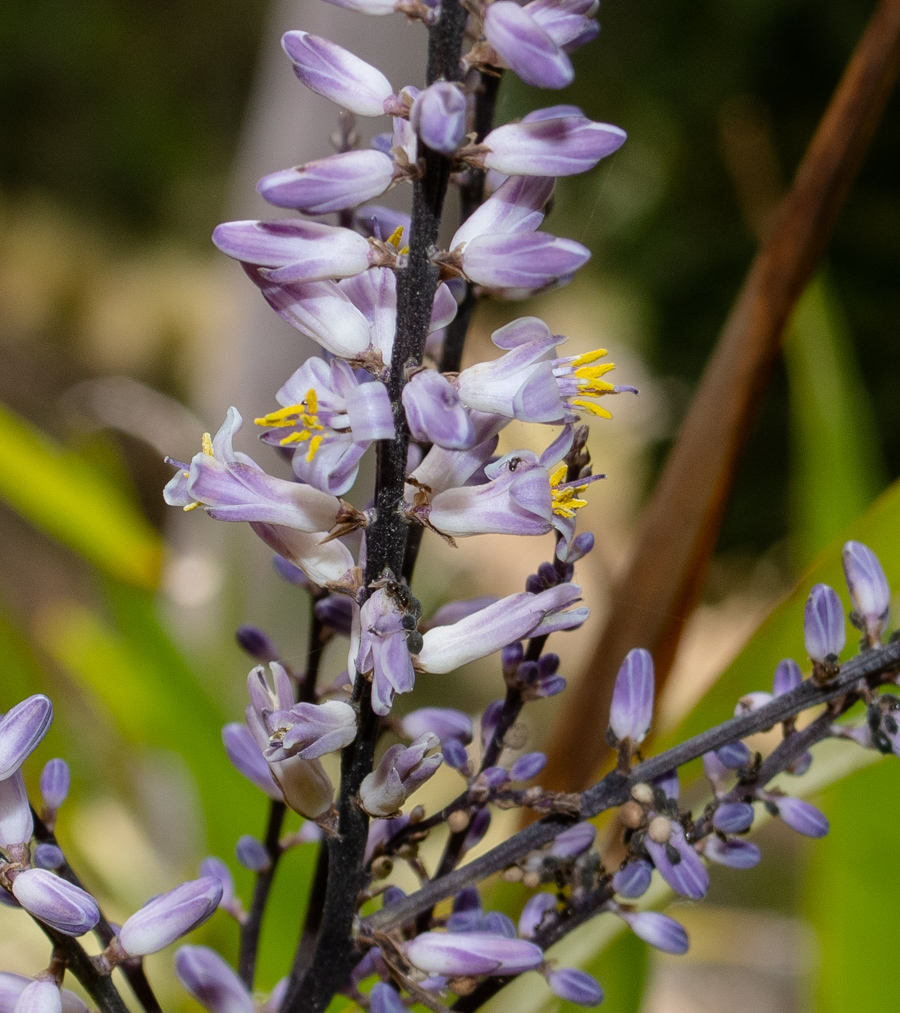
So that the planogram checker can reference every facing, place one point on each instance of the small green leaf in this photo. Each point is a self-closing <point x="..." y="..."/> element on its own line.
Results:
<point x="59" y="493"/>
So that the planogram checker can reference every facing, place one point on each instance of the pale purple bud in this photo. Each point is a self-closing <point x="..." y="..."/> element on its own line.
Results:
<point x="869" y="589"/>
<point x="384" y="999"/>
<point x="527" y="766"/>
<point x="679" y="864"/>
<point x="521" y="260"/>
<point x="215" y="868"/>
<point x="212" y="981"/>
<point x="658" y="930"/>
<point x="494" y="777"/>
<point x="63" y="906"/>
<point x="48" y="856"/>
<point x="332" y="71"/>
<point x="526" y="47"/>
<point x="462" y="954"/>
<point x="438" y="116"/>
<point x="669" y="784"/>
<point x="481" y="821"/>
<point x="13" y="985"/>
<point x="252" y="854"/>
<point x="733" y="817"/>
<point x="455" y="754"/>
<point x="575" y="986"/>
<point x="256" y="643"/>
<point x="716" y="771"/>
<point x="734" y="853"/>
<point x="750" y="702"/>
<point x="444" y="722"/>
<point x="489" y="720"/>
<point x="166" y="918"/>
<point x="633" y="880"/>
<point x="799" y="815"/>
<point x="335" y="612"/>
<point x="40" y="997"/>
<point x="55" y="782"/>
<point x="580" y="546"/>
<point x="824" y="630"/>
<point x="435" y="413"/>
<point x="787" y="676"/>
<point x="399" y="773"/>
<point x="550" y="686"/>
<point x="533" y="913"/>
<point x="800" y="766"/>
<point x="631" y="710"/>
<point x="563" y="146"/>
<point x="21" y="730"/>
<point x="574" y="841"/>
<point x="734" y="755"/>
<point x="330" y="184"/>
<point x="500" y="924"/>
<point x="247" y="758"/>
<point x="16" y="824"/>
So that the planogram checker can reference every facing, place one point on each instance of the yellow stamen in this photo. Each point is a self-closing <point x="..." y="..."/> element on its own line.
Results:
<point x="286" y="441"/>
<point x="395" y="237"/>
<point x="206" y="443"/>
<point x="313" y="447"/>
<point x="591" y="408"/>
<point x="191" y="506"/>
<point x="565" y="501"/>
<point x="583" y="360"/>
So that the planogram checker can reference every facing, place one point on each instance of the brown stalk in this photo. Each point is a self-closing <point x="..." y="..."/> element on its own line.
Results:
<point x="653" y="598"/>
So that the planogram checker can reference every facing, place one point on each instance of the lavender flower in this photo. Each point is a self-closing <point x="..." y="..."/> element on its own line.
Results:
<point x="13" y="985"/>
<point x="310" y="730"/>
<point x="330" y="184"/>
<point x="657" y="929"/>
<point x="384" y="999"/>
<point x="168" y="917"/>
<point x="631" y="710"/>
<point x="526" y="47"/>
<point x="458" y="954"/>
<point x="444" y="722"/>
<point x="824" y="632"/>
<point x="16" y="825"/>
<point x="247" y="758"/>
<point x="527" y="766"/>
<point x="63" y="906"/>
<point x="212" y="981"/>
<point x="400" y="772"/>
<point x="869" y="590"/>
<point x="575" y="986"/>
<point x="21" y="730"/>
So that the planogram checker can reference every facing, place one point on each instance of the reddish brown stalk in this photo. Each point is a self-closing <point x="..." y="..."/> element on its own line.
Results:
<point x="654" y="596"/>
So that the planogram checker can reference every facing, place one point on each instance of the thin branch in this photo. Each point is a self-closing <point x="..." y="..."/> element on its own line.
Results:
<point x="100" y="987"/>
<point x="251" y="928"/>
<point x="654" y="596"/>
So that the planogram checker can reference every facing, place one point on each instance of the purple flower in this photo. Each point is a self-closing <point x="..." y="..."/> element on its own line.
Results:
<point x="870" y="592"/>
<point x="658" y="930"/>
<point x="569" y="23"/>
<point x="384" y="999"/>
<point x="533" y="913"/>
<point x="556" y="146"/>
<point x="633" y="880"/>
<point x="824" y="631"/>
<point x="21" y="730"/>
<point x="444" y="722"/>
<point x="63" y="906"/>
<point x="527" y="766"/>
<point x="435" y="413"/>
<point x="446" y="648"/>
<point x="332" y="71"/>
<point x="479" y="826"/>
<point x="247" y="758"/>
<point x="400" y="772"/>
<point x="787" y="676"/>
<point x="212" y="981"/>
<point x="335" y="613"/>
<point x="575" y="986"/>
<point x="631" y="710"/>
<point x="462" y="954"/>
<point x="438" y="116"/>
<point x="310" y="730"/>
<point x="383" y="650"/>
<point x="252" y="854"/>
<point x="799" y="815"/>
<point x="525" y="47"/>
<point x="40" y="996"/>
<point x="330" y="184"/>
<point x="168" y="917"/>
<point x="679" y="864"/>
<point x="215" y="868"/>
<point x="16" y="824"/>
<point x="733" y="817"/>
<point x="733" y="853"/>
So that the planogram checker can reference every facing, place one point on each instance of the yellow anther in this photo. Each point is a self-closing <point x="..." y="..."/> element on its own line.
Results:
<point x="593" y="373"/>
<point x="591" y="408"/>
<point x="191" y="506"/>
<point x="313" y="447"/>
<point x="565" y="501"/>
<point x="395" y="237"/>
<point x="559" y="475"/>
<point x="583" y="360"/>
<point x="312" y="401"/>
<point x="206" y="443"/>
<point x="300" y="437"/>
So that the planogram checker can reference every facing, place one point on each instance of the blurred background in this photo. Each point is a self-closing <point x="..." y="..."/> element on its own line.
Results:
<point x="127" y="132"/>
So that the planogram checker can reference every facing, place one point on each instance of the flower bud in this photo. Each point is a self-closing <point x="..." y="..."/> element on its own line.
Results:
<point x="658" y="930"/>
<point x="733" y="817"/>
<point x="40" y="996"/>
<point x="13" y="985"/>
<point x="632" y="703"/>
<point x="21" y="730"/>
<point x="734" y="755"/>
<point x="455" y="754"/>
<point x="734" y="853"/>
<point x="16" y="824"/>
<point x="557" y="146"/>
<point x="215" y="868"/>
<point x="633" y="880"/>
<point x="335" y="612"/>
<point x="481" y="821"/>
<point x="824" y="630"/>
<point x="384" y="999"/>
<point x="869" y="589"/>
<point x="575" y="986"/>
<point x="533" y="913"/>
<point x="787" y="676"/>
<point x="438" y="116"/>
<point x="575" y="841"/>
<point x="526" y="47"/>
<point x="527" y="766"/>
<point x="48" y="856"/>
<point x="460" y="954"/>
<point x="679" y="864"/>
<point x="329" y="184"/>
<point x="63" y="906"/>
<point x="211" y="981"/>
<point x="256" y="643"/>
<point x="444" y="722"/>
<point x="799" y="815"/>
<point x="168" y="917"/>
<point x="252" y="854"/>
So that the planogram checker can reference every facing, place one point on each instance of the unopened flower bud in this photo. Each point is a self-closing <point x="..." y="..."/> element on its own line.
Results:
<point x="252" y="854"/>
<point x="658" y="930"/>
<point x="799" y="815"/>
<point x="575" y="841"/>
<point x="16" y="824"/>
<point x="632" y="704"/>
<point x="212" y="981"/>
<point x="527" y="766"/>
<point x="733" y="817"/>
<point x="63" y="906"/>
<point x="633" y="880"/>
<point x="40" y="996"/>
<point x="477" y="829"/>
<point x="869" y="589"/>
<point x="534" y="912"/>
<point x="735" y="854"/>
<point x="166" y="918"/>
<point x="335" y="613"/>
<point x="48" y="856"/>
<point x="256" y="643"/>
<point x="21" y="730"/>
<point x="215" y="868"/>
<point x="734" y="755"/>
<point x="55" y="782"/>
<point x="575" y="986"/>
<point x="455" y="754"/>
<point x="459" y="954"/>
<point x="384" y="999"/>
<point x="824" y="630"/>
<point x="13" y="985"/>
<point x="444" y="722"/>
<point x="787" y="676"/>
<point x="438" y="116"/>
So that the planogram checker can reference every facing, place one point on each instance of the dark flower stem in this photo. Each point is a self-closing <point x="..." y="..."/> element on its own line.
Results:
<point x="99" y="987"/>
<point x="251" y="928"/>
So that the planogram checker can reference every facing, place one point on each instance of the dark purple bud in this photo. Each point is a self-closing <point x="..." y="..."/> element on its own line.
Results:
<point x="21" y="730"/>
<point x="500" y="924"/>
<point x="511" y="657"/>
<point x="733" y="817"/>
<point x="7" y="899"/>
<point x="215" y="868"/>
<point x="580" y="546"/>
<point x="575" y="986"/>
<point x="292" y="574"/>
<point x="869" y="589"/>
<point x="534" y="584"/>
<point x="335" y="612"/>
<point x="734" y="755"/>
<point x="477" y="829"/>
<point x="575" y="841"/>
<point x="247" y="758"/>
<point x="733" y="853"/>
<point x="799" y="815"/>
<point x="438" y="116"/>
<point x="527" y="766"/>
<point x="444" y="722"/>
<point x="548" y="664"/>
<point x="533" y="913"/>
<point x="257" y="644"/>
<point x="489" y="720"/>
<point x="800" y="765"/>
<point x="252" y="854"/>
<point x="168" y="917"/>
<point x="679" y="864"/>
<point x="384" y="999"/>
<point x="787" y="676"/>
<point x="462" y="954"/>
<point x="468" y="899"/>
<point x="40" y="997"/>
<point x="455" y="754"/>
<point x="495" y="777"/>
<point x="547" y="575"/>
<point x="528" y="674"/>
<point x="212" y="981"/>
<point x="824" y="630"/>
<point x="633" y="880"/>
<point x="63" y="906"/>
<point x="16" y="824"/>
<point x="550" y="686"/>
<point x="48" y="856"/>
<point x="668" y="784"/>
<point x="632" y="703"/>
<point x="55" y="781"/>
<point x="658" y="930"/>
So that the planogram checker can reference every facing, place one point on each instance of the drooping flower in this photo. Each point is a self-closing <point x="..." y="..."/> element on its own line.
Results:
<point x="400" y="772"/>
